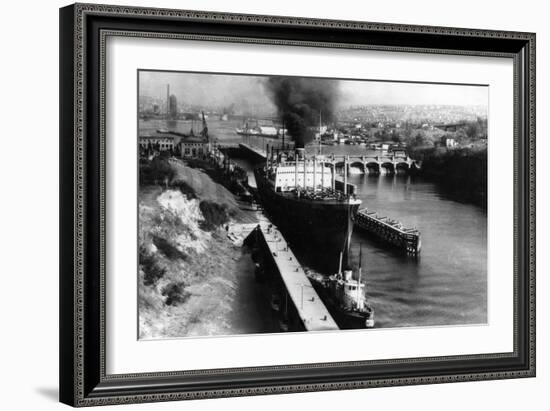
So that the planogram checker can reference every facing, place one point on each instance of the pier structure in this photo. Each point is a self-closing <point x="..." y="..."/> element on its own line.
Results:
<point x="390" y="231"/>
<point x="302" y="307"/>
<point x="219" y="156"/>
<point x="257" y="153"/>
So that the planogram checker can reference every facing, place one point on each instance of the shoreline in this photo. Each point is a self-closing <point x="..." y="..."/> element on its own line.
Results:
<point x="183" y="291"/>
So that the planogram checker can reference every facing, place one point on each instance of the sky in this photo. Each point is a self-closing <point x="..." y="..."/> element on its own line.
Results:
<point x="245" y="90"/>
<point x="377" y="92"/>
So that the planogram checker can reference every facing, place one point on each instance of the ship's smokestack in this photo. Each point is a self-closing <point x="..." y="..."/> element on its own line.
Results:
<point x="299" y="102"/>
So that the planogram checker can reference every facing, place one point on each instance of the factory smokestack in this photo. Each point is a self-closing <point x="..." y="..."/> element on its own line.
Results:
<point x="167" y="100"/>
<point x="300" y="100"/>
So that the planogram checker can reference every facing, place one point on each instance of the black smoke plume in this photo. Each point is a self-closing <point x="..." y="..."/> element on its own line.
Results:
<point x="299" y="103"/>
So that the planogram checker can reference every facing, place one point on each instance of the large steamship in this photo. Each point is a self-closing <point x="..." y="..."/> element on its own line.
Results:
<point x="307" y="203"/>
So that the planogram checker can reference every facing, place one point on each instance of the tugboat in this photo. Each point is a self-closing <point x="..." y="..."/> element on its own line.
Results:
<point x="345" y="297"/>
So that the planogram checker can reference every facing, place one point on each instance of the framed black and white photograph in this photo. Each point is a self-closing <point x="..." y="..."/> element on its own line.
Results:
<point x="258" y="204"/>
<point x="266" y="178"/>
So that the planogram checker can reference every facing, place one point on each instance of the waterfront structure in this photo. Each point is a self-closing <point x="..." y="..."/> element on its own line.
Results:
<point x="194" y="146"/>
<point x="157" y="142"/>
<point x="296" y="300"/>
<point x="176" y="143"/>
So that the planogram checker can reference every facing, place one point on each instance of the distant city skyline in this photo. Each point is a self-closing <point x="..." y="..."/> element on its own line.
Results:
<point x="224" y="90"/>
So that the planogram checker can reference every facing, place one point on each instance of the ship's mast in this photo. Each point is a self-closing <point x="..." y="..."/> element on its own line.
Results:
<point x="305" y="171"/>
<point x="295" y="169"/>
<point x="204" y="131"/>
<point x="320" y="132"/>
<point x="322" y="174"/>
<point x="283" y="133"/>
<point x="314" y="173"/>
<point x="167" y="100"/>
<point x="359" y="278"/>
<point x="347" y="241"/>
<point x="333" y="175"/>
<point x="345" y="175"/>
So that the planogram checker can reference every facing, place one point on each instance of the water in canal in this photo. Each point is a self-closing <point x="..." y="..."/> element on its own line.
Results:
<point x="447" y="285"/>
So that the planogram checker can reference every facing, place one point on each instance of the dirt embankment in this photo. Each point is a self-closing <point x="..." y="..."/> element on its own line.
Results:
<point x="191" y="275"/>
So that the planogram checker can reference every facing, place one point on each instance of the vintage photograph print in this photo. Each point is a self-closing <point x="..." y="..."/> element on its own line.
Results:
<point x="275" y="204"/>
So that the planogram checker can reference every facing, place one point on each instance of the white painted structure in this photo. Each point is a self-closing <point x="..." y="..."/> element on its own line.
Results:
<point x="290" y="176"/>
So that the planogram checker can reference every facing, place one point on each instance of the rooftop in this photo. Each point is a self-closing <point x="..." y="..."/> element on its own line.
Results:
<point x="158" y="134"/>
<point x="193" y="139"/>
<point x="172" y="135"/>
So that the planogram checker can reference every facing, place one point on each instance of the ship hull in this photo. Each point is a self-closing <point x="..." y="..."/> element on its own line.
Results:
<point x="346" y="319"/>
<point x="318" y="230"/>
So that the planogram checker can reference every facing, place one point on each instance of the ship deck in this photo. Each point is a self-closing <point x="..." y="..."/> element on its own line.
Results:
<point x="320" y="201"/>
<point x="325" y="195"/>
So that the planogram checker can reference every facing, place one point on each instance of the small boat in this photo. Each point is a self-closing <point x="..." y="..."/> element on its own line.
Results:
<point x="345" y="297"/>
<point x="245" y="131"/>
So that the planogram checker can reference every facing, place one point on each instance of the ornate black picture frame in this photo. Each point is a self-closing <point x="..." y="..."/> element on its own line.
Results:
<point x="83" y="30"/>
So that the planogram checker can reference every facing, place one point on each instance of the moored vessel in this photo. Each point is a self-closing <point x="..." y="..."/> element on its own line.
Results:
<point x="345" y="297"/>
<point x="300" y="195"/>
<point x="261" y="131"/>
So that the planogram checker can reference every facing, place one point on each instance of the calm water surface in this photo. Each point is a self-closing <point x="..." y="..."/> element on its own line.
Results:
<point x="447" y="285"/>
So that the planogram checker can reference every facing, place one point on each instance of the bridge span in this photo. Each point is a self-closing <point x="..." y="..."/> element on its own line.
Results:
<point x="366" y="164"/>
<point x="380" y="164"/>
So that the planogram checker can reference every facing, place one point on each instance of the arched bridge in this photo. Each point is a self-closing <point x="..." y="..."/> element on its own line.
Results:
<point x="380" y="164"/>
<point x="367" y="164"/>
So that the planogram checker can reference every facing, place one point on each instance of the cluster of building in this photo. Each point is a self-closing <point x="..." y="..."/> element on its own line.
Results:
<point x="177" y="144"/>
<point x="395" y="115"/>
